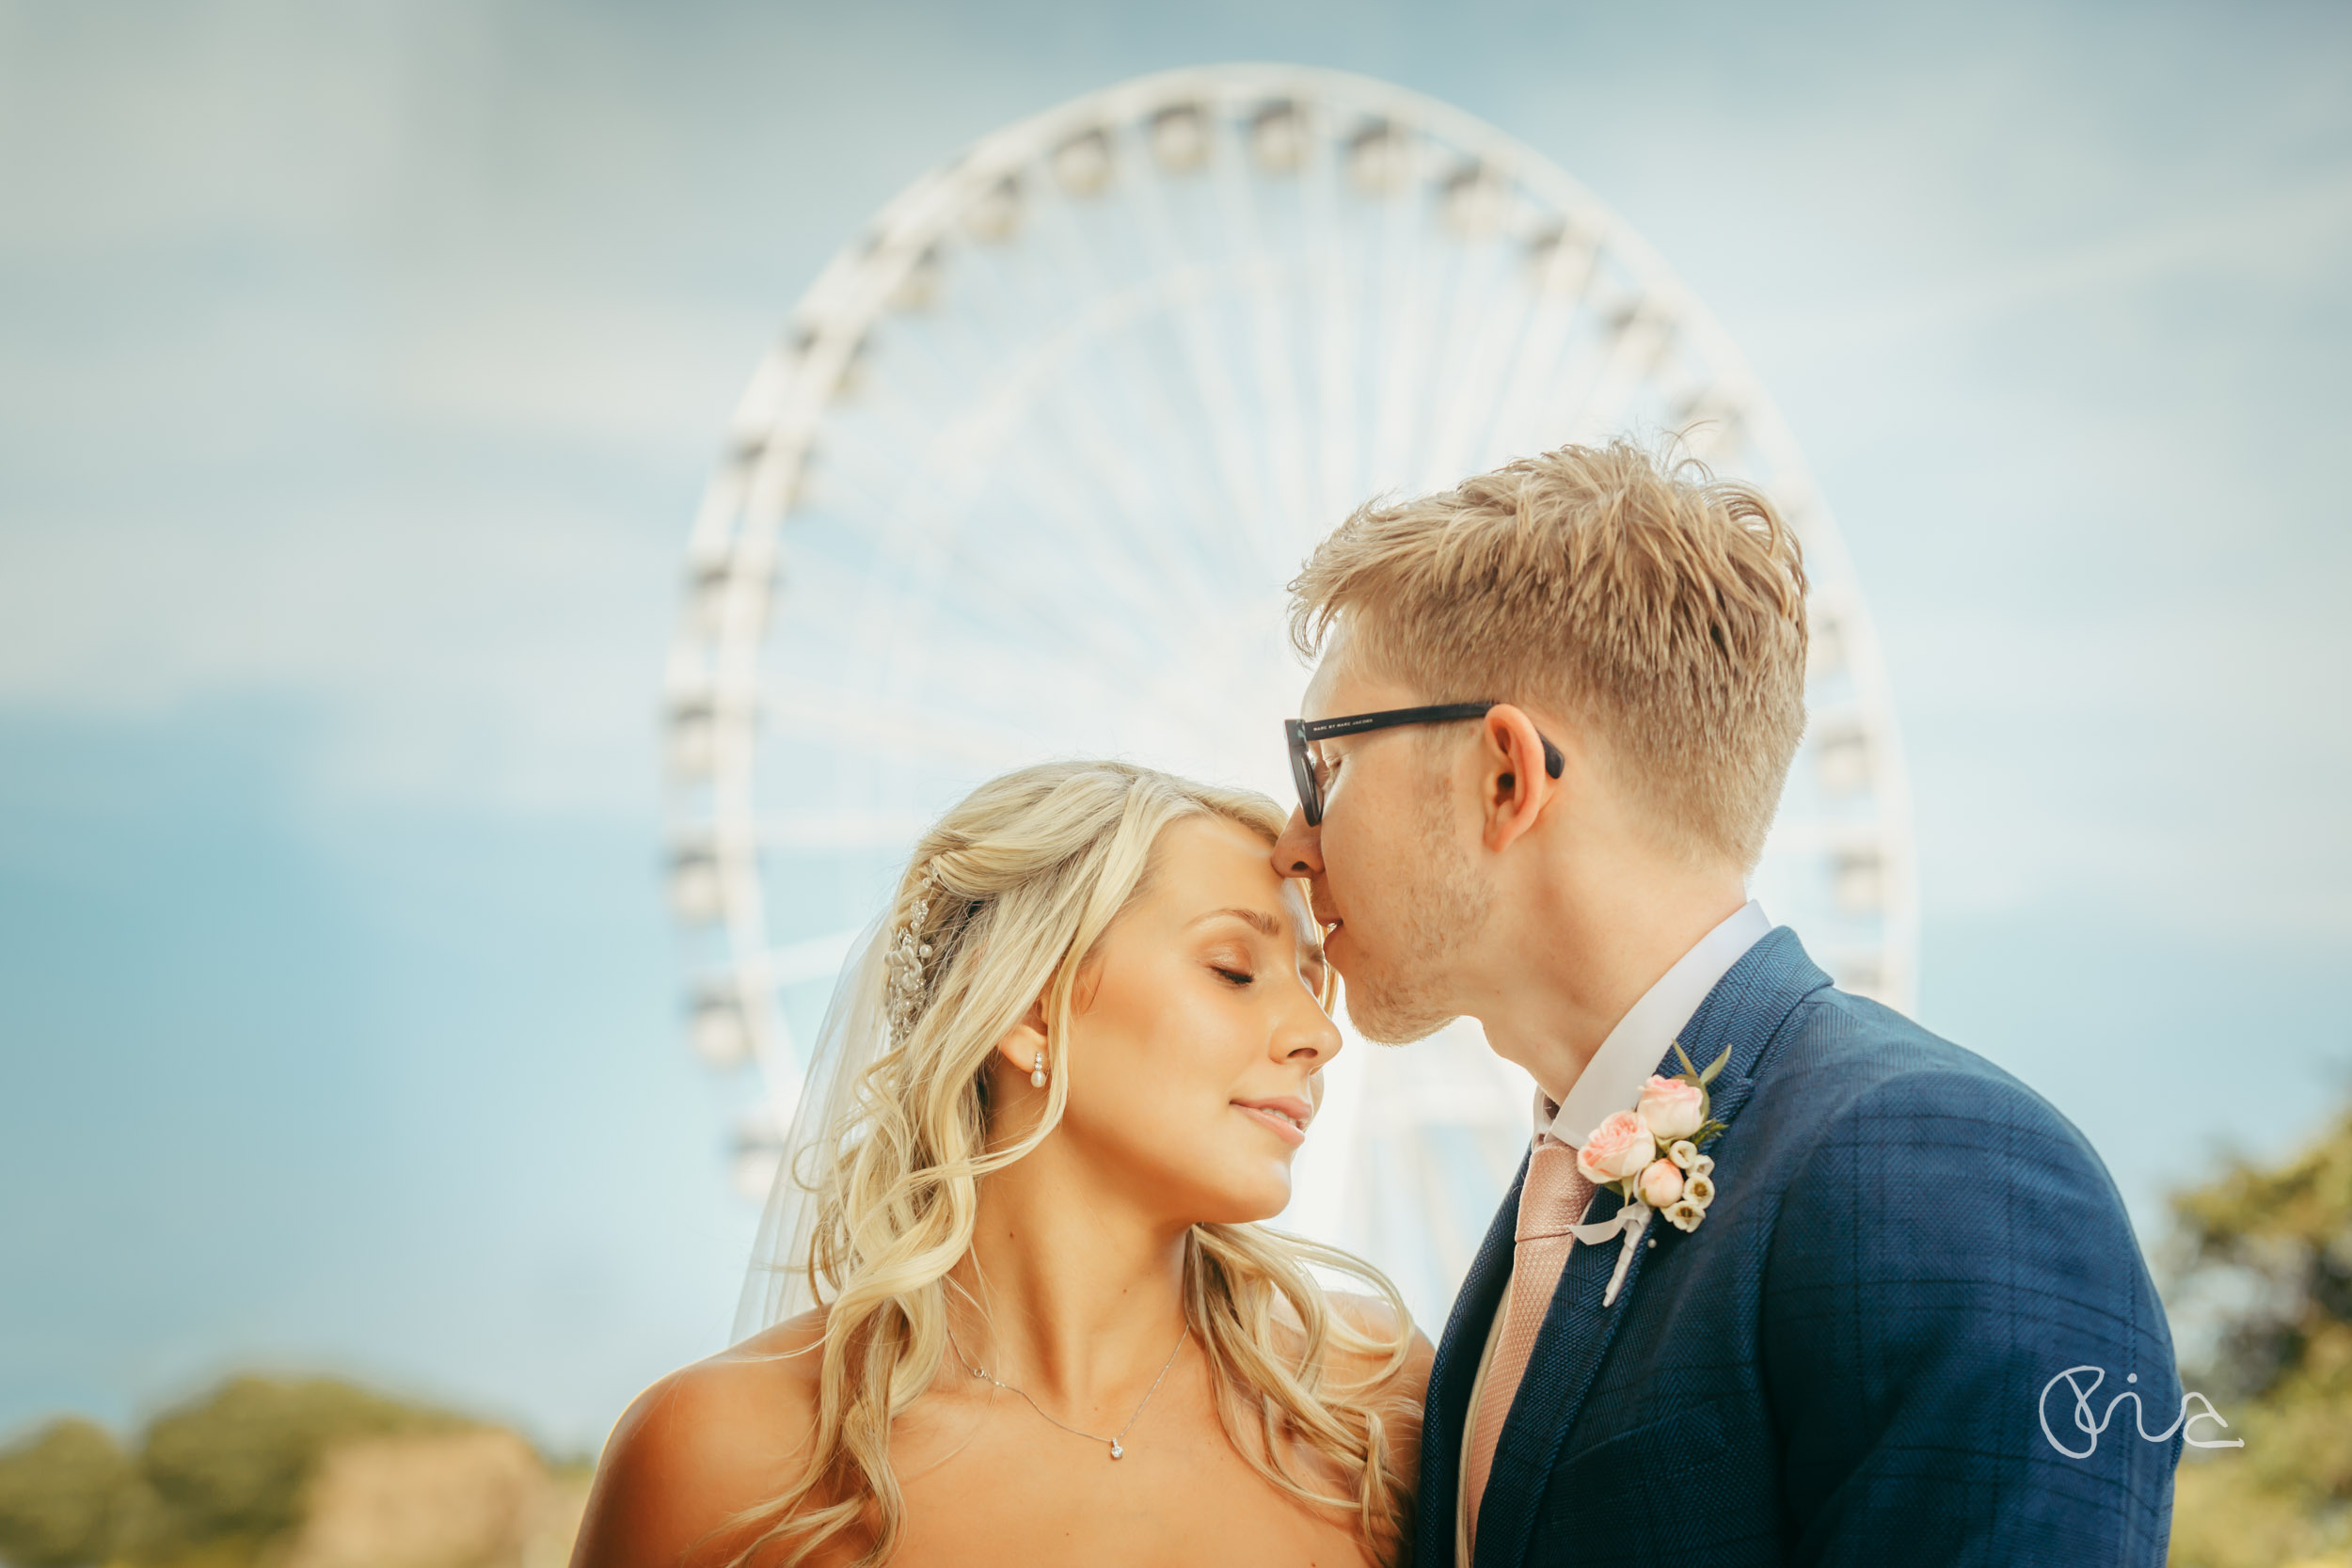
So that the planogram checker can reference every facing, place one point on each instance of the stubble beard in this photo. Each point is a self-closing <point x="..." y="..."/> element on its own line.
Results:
<point x="1443" y="904"/>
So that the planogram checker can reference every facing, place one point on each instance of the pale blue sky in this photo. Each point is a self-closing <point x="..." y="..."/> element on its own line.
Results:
<point x="359" y="366"/>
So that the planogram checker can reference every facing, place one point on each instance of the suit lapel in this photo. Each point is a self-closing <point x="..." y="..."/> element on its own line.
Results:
<point x="1445" y="1411"/>
<point x="1745" y="1011"/>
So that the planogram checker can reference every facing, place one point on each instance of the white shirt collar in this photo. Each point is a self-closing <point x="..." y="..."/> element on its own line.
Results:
<point x="1613" y="1080"/>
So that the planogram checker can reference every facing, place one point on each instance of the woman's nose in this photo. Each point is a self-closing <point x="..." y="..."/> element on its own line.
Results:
<point x="1308" y="1035"/>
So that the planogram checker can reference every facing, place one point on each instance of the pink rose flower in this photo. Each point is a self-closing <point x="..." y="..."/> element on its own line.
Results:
<point x="1661" y="1183"/>
<point x="1672" y="1108"/>
<point x="1618" y="1148"/>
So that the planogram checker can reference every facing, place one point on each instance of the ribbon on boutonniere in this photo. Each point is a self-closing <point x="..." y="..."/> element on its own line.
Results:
<point x="1652" y="1156"/>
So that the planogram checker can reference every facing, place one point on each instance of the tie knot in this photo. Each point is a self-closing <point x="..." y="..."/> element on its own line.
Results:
<point x="1553" y="1197"/>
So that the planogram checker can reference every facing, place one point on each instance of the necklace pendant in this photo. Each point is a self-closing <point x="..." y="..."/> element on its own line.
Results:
<point x="1117" y="1452"/>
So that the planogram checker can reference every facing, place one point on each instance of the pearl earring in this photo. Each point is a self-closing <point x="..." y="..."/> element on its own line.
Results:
<point x="1037" y="1072"/>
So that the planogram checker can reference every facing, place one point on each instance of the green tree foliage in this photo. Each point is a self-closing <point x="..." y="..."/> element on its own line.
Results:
<point x="2272" y="1245"/>
<point x="234" y="1463"/>
<point x="62" y="1493"/>
<point x="217" y="1482"/>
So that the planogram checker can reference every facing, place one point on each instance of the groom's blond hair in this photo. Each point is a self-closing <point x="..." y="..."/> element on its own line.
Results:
<point x="1660" y="608"/>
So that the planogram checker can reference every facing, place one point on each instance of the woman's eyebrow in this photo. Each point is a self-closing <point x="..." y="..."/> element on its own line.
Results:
<point x="1266" y="924"/>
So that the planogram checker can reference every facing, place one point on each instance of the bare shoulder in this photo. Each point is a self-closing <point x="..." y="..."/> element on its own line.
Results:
<point x="1379" y="1320"/>
<point x="1398" y="1401"/>
<point x="1369" y="1369"/>
<point x="700" y="1447"/>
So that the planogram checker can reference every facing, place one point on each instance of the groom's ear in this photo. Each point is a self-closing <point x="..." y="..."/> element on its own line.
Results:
<point x="1514" y="782"/>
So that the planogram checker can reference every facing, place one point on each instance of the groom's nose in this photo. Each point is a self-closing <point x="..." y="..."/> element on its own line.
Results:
<point x="1299" y="851"/>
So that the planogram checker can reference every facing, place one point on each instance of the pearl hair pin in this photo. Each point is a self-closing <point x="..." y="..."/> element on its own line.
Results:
<point x="905" y="956"/>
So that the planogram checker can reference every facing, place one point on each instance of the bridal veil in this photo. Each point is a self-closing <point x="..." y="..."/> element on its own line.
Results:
<point x="778" y="1285"/>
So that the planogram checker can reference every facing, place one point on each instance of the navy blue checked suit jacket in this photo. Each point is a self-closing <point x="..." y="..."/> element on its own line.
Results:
<point x="1842" y="1364"/>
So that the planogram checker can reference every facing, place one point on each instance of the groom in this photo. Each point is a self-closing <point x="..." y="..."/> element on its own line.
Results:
<point x="1840" y="1359"/>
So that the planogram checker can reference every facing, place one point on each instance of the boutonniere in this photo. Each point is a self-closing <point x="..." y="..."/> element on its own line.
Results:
<point x="1653" y="1156"/>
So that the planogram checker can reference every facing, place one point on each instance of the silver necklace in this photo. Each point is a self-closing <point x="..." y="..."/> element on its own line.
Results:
<point x="1117" y="1452"/>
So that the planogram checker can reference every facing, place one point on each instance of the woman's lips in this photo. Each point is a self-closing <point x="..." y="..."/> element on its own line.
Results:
<point x="1286" y="1116"/>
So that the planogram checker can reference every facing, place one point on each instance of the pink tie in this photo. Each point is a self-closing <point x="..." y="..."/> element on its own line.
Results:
<point x="1551" y="1200"/>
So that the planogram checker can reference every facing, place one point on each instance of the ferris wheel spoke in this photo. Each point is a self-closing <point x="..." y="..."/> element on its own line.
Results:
<point x="1715" y="436"/>
<point x="1631" y="352"/>
<point x="1281" y="438"/>
<point x="1078" y="426"/>
<point x="1330" y="288"/>
<point x="1400" y="339"/>
<point x="1492" y="338"/>
<point x="1092" y="637"/>
<point x="1146" y="378"/>
<point x="989" y="589"/>
<point x="1523" y="412"/>
<point x="895" y="519"/>
<point x="1043" y="302"/>
<point x="1212" y="383"/>
<point x="1566" y="390"/>
<point x="1513" y="426"/>
<point x="1142" y="513"/>
<point x="915" y="521"/>
<point x="1147" y="396"/>
<point x="841" y="828"/>
<point x="1014" y="389"/>
<point x="1145" y="586"/>
<point x="1146" y="611"/>
<point x="896" y="727"/>
<point x="1467" y="200"/>
<point x="1066" y="424"/>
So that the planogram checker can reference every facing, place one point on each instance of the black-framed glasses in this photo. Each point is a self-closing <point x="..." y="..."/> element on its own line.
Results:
<point x="1304" y="733"/>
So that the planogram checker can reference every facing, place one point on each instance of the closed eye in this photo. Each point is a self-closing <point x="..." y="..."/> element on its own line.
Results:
<point x="1234" y="976"/>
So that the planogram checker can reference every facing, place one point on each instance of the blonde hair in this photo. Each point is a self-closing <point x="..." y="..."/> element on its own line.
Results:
<point x="1643" y="597"/>
<point x="1004" y="901"/>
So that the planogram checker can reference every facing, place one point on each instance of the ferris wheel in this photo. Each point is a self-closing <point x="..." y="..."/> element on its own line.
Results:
<point x="1027" y="473"/>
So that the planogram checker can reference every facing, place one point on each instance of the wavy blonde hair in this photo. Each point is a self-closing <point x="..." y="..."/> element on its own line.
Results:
<point x="1015" y="889"/>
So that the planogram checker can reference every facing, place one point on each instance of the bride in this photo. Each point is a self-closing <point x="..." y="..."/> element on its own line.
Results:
<point x="1040" y="1322"/>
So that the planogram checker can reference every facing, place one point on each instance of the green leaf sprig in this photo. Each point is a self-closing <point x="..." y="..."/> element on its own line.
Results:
<point x="1710" y="1128"/>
